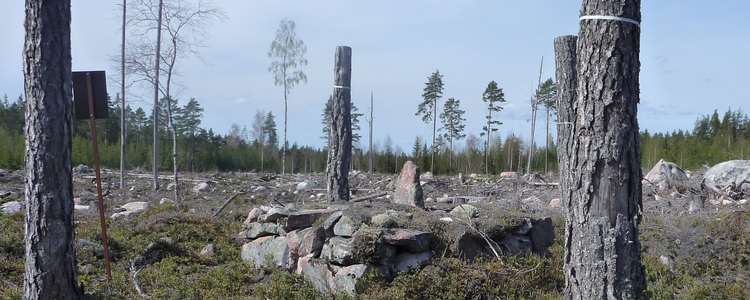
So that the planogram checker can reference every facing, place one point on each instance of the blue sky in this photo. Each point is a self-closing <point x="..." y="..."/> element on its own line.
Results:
<point x="693" y="59"/>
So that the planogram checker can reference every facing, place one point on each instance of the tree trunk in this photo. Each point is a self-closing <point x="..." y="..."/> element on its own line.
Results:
<point x="340" y="130"/>
<point x="49" y="233"/>
<point x="122" y="110"/>
<point x="487" y="145"/>
<point x="603" y="259"/>
<point x="565" y="76"/>
<point x="283" y="147"/>
<point x="434" y="132"/>
<point x="546" y="140"/>
<point x="371" y="121"/>
<point x="156" y="99"/>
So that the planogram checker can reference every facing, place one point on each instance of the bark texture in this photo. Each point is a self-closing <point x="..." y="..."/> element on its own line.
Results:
<point x="603" y="259"/>
<point x="340" y="129"/>
<point x="565" y="76"/>
<point x="50" y="251"/>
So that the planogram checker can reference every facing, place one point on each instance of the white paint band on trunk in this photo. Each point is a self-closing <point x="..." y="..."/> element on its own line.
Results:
<point x="611" y="18"/>
<point x="342" y="87"/>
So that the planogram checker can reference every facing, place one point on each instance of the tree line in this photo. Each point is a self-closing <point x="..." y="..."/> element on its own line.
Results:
<point x="714" y="139"/>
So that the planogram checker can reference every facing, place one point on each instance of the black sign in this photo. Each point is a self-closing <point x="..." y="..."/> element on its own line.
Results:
<point x="98" y="92"/>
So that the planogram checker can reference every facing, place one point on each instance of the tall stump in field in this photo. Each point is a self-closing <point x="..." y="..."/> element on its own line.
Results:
<point x="603" y="259"/>
<point x="50" y="250"/>
<point x="566" y="77"/>
<point x="340" y="129"/>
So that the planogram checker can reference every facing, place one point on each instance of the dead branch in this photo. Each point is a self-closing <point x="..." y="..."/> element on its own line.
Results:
<point x="227" y="203"/>
<point x="360" y="199"/>
<point x="137" y="286"/>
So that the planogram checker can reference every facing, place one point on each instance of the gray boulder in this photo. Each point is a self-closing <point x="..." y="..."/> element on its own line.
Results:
<point x="413" y="241"/>
<point x="276" y="249"/>
<point x="730" y="173"/>
<point x="312" y="242"/>
<point x="317" y="273"/>
<point x="408" y="261"/>
<point x="305" y="218"/>
<point x="256" y="230"/>
<point x="305" y="185"/>
<point x="347" y="278"/>
<point x="274" y="214"/>
<point x="81" y="169"/>
<point x="348" y="224"/>
<point x="516" y="245"/>
<point x="465" y="211"/>
<point x="96" y="248"/>
<point x="664" y="170"/>
<point x="338" y="250"/>
<point x="12" y="207"/>
<point x="131" y="209"/>
<point x="202" y="187"/>
<point x="542" y="234"/>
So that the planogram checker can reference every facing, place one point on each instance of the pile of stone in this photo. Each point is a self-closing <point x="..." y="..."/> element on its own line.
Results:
<point x="336" y="246"/>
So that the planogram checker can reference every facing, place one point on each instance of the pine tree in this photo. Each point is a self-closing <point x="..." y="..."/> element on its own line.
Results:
<point x="453" y="124"/>
<point x="433" y="91"/>
<point x="493" y="96"/>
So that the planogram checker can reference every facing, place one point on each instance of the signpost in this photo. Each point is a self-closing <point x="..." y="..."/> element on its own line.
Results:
<point x="90" y="97"/>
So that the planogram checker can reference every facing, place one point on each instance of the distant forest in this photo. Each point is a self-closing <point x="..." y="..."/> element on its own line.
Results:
<point x="714" y="139"/>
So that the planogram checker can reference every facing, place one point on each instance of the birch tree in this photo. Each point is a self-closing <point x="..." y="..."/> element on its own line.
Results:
<point x="289" y="54"/>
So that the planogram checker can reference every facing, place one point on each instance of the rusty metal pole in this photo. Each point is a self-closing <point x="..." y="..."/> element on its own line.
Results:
<point x="98" y="177"/>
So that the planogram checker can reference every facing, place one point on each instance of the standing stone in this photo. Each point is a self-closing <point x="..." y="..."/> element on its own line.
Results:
<point x="408" y="189"/>
<point x="340" y="129"/>
<point x="603" y="252"/>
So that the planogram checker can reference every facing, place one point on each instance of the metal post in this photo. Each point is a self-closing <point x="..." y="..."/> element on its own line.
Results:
<point x="98" y="177"/>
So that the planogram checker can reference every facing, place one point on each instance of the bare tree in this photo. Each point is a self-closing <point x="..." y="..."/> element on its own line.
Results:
<point x="534" y="108"/>
<point x="186" y="28"/>
<point x="259" y="133"/>
<point x="546" y="95"/>
<point x="603" y="251"/>
<point x="49" y="235"/>
<point x="122" y="109"/>
<point x="370" y="121"/>
<point x="289" y="52"/>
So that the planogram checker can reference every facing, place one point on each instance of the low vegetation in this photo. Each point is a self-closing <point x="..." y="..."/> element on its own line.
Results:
<point x="699" y="256"/>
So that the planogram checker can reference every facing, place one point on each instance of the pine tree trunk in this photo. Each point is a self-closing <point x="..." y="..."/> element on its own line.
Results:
<point x="603" y="259"/>
<point x="566" y="77"/>
<point x="340" y="129"/>
<point x="49" y="234"/>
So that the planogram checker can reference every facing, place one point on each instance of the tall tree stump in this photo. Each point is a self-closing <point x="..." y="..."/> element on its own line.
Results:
<point x="603" y="259"/>
<point x="50" y="250"/>
<point x="340" y="129"/>
<point x="566" y="77"/>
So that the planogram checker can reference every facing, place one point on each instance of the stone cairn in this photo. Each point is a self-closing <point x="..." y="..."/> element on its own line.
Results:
<point x="335" y="247"/>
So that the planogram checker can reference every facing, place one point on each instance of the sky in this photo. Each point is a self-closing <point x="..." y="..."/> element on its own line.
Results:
<point x="693" y="60"/>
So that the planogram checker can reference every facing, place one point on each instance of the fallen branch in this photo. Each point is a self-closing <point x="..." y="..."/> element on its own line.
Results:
<point x="360" y="199"/>
<point x="137" y="286"/>
<point x="487" y="239"/>
<point x="227" y="203"/>
<point x="544" y="183"/>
